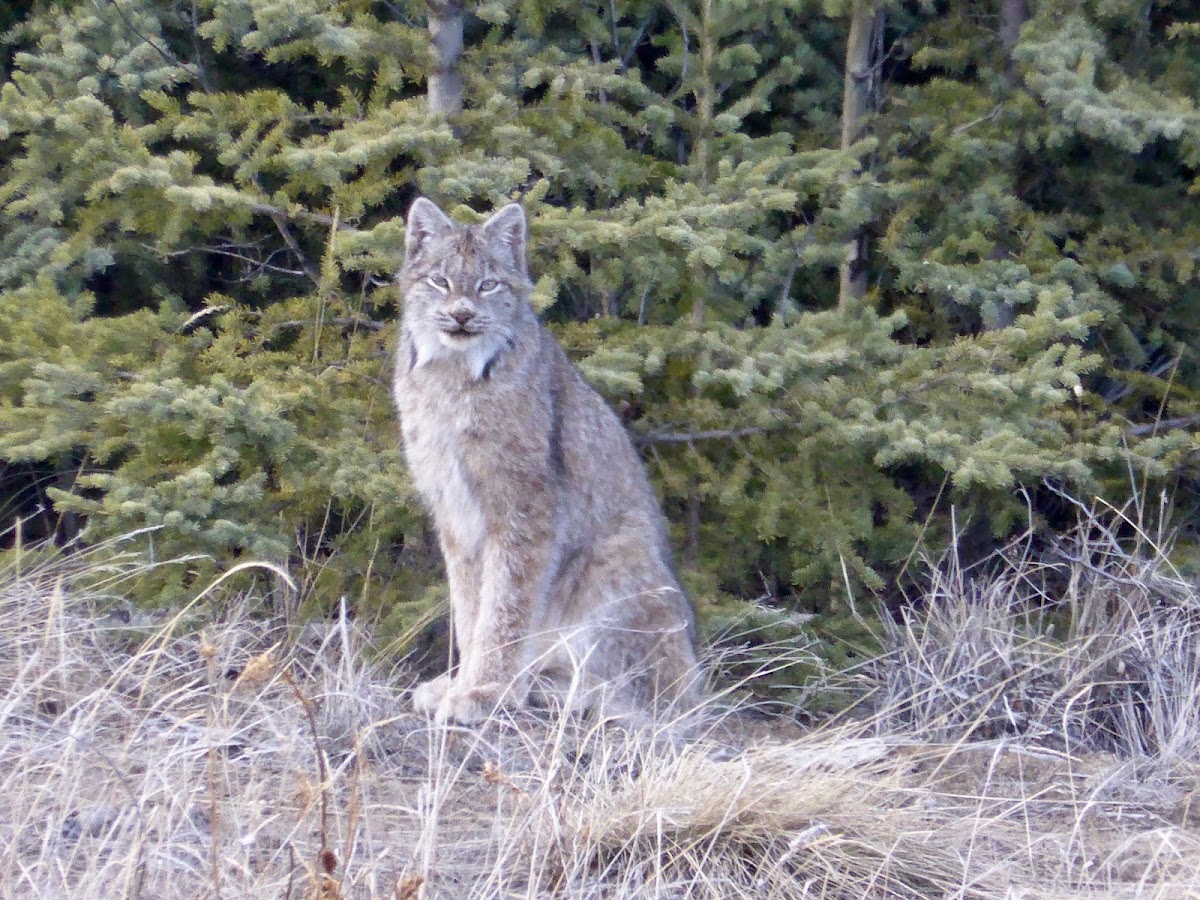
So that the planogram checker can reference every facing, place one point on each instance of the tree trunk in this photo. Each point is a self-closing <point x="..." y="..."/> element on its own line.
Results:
<point x="446" y="37"/>
<point x="691" y="546"/>
<point x="1013" y="14"/>
<point x="856" y="103"/>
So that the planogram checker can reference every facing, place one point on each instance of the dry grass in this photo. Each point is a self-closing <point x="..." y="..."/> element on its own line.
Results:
<point x="185" y="755"/>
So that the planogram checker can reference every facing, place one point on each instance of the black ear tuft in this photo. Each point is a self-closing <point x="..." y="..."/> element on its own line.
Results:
<point x="505" y="231"/>
<point x="425" y="221"/>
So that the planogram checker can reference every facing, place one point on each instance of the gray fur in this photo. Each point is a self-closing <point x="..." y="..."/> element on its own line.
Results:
<point x="556" y="552"/>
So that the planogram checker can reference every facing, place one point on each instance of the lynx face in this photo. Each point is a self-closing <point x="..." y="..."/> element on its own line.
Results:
<point x="465" y="287"/>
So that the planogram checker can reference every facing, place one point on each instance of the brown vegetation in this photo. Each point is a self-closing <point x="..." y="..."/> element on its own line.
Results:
<point x="228" y="755"/>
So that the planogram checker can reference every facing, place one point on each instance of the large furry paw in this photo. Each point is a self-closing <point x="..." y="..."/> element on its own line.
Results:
<point x="428" y="696"/>
<point x="466" y="705"/>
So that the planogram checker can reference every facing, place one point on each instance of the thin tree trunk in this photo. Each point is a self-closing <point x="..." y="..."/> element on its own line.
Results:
<point x="856" y="103"/>
<point x="446" y="37"/>
<point x="691" y="546"/>
<point x="1013" y="15"/>
<point x="705" y="108"/>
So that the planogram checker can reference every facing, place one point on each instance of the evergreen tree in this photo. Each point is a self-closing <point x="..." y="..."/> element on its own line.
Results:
<point x="202" y="211"/>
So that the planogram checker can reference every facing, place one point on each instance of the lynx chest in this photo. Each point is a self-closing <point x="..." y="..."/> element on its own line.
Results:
<point x="441" y="436"/>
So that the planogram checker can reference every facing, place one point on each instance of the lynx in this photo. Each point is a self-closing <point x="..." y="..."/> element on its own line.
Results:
<point x="560" y="575"/>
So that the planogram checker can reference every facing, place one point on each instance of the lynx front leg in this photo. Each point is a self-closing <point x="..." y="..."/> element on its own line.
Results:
<point x="428" y="695"/>
<point x="463" y="577"/>
<point x="513" y="582"/>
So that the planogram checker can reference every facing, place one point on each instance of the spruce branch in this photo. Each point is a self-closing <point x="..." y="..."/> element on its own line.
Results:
<point x="161" y="51"/>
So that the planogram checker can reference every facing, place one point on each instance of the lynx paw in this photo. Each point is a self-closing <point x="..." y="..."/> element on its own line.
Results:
<point x="428" y="696"/>
<point x="466" y="706"/>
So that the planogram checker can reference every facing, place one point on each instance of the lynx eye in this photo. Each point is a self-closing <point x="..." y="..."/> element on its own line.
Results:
<point x="488" y="285"/>
<point x="439" y="282"/>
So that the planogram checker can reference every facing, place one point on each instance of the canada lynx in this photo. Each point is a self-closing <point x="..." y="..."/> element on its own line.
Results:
<point x="556" y="552"/>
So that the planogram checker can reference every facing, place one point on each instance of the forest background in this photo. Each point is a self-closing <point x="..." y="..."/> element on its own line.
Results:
<point x="856" y="275"/>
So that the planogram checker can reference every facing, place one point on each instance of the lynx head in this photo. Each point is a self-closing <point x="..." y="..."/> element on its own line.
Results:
<point x="465" y="287"/>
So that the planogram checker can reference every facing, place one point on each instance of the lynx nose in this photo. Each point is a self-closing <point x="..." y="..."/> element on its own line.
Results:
<point x="462" y="316"/>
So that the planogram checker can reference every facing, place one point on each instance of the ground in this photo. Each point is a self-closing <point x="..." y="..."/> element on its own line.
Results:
<point x="205" y="753"/>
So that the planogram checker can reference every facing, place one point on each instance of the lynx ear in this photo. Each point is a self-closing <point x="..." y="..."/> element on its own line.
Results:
<point x="506" y="232"/>
<point x="425" y="221"/>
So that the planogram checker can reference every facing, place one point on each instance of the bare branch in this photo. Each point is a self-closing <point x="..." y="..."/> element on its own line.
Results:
<point x="787" y="422"/>
<point x="1119" y="390"/>
<point x="255" y="265"/>
<point x="596" y="60"/>
<point x="719" y="434"/>
<point x="286" y="233"/>
<point x="641" y="319"/>
<point x="967" y="126"/>
<point x="301" y="215"/>
<point x="785" y="292"/>
<point x="637" y="40"/>
<point x="340" y="321"/>
<point x="196" y="49"/>
<point x="259" y="265"/>
<point x="280" y="218"/>
<point x="1153" y="428"/>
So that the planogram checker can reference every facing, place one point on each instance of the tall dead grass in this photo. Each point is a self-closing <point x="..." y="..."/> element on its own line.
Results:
<point x="1092" y="645"/>
<point x="197" y="754"/>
